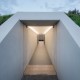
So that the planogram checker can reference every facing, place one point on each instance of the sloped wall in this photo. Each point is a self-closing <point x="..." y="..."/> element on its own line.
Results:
<point x="30" y="43"/>
<point x="50" y="43"/>
<point x="67" y="56"/>
<point x="16" y="51"/>
<point x="11" y="54"/>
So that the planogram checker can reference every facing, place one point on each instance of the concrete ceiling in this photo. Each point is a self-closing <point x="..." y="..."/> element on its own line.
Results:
<point x="40" y="22"/>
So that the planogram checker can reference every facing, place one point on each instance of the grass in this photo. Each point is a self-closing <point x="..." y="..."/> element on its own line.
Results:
<point x="4" y="18"/>
<point x="74" y="17"/>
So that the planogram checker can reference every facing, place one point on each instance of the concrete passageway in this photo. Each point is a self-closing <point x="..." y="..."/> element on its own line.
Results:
<point x="40" y="56"/>
<point x="21" y="53"/>
<point x="40" y="66"/>
<point x="40" y="63"/>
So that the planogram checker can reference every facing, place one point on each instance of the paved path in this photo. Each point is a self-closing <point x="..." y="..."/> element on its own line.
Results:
<point x="40" y="57"/>
<point x="40" y="66"/>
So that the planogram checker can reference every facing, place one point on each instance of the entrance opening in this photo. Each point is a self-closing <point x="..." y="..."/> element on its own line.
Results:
<point x="40" y="65"/>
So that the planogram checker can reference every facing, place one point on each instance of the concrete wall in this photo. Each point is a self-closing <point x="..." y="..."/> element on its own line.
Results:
<point x="50" y="43"/>
<point x="11" y="54"/>
<point x="67" y="56"/>
<point x="16" y="51"/>
<point x="64" y="52"/>
<point x="30" y="43"/>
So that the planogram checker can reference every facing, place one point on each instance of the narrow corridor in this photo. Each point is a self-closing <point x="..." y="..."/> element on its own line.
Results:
<point x="40" y="57"/>
<point x="40" y="66"/>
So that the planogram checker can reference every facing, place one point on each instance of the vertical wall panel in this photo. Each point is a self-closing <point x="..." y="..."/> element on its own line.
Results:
<point x="11" y="54"/>
<point x="30" y="43"/>
<point x="68" y="55"/>
<point x="50" y="42"/>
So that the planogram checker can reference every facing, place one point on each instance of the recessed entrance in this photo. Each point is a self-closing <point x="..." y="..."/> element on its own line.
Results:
<point x="40" y="63"/>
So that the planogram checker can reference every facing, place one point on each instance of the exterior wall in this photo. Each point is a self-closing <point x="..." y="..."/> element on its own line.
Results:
<point x="50" y="43"/>
<point x="16" y="51"/>
<point x="11" y="54"/>
<point x="30" y="43"/>
<point x="67" y="56"/>
<point x="67" y="60"/>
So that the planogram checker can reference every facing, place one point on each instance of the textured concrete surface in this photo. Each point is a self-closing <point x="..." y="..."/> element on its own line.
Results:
<point x="40" y="70"/>
<point x="40" y="56"/>
<point x="40" y="63"/>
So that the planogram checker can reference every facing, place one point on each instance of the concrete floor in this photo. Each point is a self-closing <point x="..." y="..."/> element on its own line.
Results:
<point x="40" y="57"/>
<point x="40" y="63"/>
<point x="40" y="70"/>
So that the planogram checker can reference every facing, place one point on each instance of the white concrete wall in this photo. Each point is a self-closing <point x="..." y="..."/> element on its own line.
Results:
<point x="50" y="43"/>
<point x="68" y="55"/>
<point x="11" y="54"/>
<point x="16" y="51"/>
<point x="30" y="43"/>
<point x="64" y="52"/>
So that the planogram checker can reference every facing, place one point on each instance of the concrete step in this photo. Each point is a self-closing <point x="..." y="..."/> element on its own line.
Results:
<point x="40" y="70"/>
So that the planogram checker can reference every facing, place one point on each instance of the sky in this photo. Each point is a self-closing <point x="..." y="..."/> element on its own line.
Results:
<point x="13" y="6"/>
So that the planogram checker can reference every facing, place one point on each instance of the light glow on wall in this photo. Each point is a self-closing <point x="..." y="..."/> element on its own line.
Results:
<point x="33" y="29"/>
<point x="47" y="29"/>
<point x="36" y="30"/>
